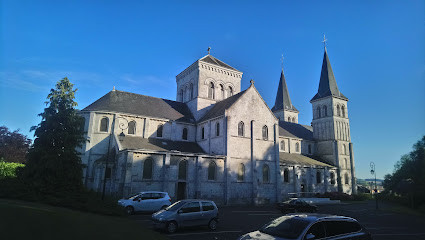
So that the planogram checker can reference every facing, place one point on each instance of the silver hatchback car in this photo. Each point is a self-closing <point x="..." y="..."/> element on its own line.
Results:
<point x="186" y="213"/>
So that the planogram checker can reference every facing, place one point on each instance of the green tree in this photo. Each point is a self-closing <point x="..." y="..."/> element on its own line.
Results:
<point x="408" y="178"/>
<point x="53" y="163"/>
<point x="13" y="145"/>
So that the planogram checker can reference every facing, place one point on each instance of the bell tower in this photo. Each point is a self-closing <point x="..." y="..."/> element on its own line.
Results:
<point x="331" y="128"/>
<point x="206" y="82"/>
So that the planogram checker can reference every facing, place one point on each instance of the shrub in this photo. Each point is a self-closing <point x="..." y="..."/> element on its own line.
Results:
<point x="8" y="169"/>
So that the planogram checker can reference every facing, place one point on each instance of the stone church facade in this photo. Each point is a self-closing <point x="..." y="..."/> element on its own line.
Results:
<point x="219" y="142"/>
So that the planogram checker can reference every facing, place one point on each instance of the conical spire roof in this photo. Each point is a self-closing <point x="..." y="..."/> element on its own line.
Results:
<point x="327" y="85"/>
<point x="283" y="101"/>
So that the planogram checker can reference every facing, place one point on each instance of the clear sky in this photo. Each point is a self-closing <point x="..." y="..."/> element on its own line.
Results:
<point x="376" y="48"/>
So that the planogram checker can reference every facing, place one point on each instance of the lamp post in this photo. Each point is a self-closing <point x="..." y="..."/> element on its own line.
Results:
<point x="122" y="126"/>
<point x="373" y="172"/>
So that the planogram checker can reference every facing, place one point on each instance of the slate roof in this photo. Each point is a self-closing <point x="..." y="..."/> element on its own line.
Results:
<point x="289" y="129"/>
<point x="292" y="158"/>
<point x="131" y="103"/>
<point x="156" y="144"/>
<point x="219" y="108"/>
<point x="283" y="101"/>
<point x="212" y="60"/>
<point x="327" y="85"/>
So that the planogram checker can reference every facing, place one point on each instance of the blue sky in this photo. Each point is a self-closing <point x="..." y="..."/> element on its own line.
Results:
<point x="376" y="49"/>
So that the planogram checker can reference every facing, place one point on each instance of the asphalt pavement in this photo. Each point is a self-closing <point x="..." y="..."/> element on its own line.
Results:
<point x="238" y="220"/>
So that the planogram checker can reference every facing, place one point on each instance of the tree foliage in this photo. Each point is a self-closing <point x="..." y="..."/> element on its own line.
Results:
<point x="8" y="169"/>
<point x="13" y="145"/>
<point x="53" y="163"/>
<point x="408" y="178"/>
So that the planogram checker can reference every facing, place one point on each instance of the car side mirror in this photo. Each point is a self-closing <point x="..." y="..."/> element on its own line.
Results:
<point x="310" y="236"/>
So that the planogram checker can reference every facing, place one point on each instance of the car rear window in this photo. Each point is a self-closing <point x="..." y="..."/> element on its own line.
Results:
<point x="334" y="228"/>
<point x="285" y="227"/>
<point x="207" y="206"/>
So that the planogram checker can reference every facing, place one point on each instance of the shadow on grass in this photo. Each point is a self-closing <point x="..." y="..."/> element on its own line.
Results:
<point x="26" y="220"/>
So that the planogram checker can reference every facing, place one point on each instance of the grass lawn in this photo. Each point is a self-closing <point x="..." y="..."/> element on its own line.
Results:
<point x="26" y="220"/>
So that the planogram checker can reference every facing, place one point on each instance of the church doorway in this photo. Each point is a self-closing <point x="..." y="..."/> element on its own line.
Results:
<point x="181" y="190"/>
<point x="302" y="190"/>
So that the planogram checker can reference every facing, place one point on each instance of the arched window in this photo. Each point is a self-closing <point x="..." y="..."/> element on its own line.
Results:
<point x="346" y="179"/>
<point x="211" y="170"/>
<point x="266" y="173"/>
<point x="265" y="133"/>
<point x="191" y="90"/>
<point x="289" y="119"/>
<point x="345" y="149"/>
<point x="343" y="110"/>
<point x="346" y="164"/>
<point x="241" y="172"/>
<point x="286" y="175"/>
<point x="325" y="111"/>
<point x="211" y="91"/>
<point x="318" y="112"/>
<point x="183" y="170"/>
<point x="318" y="177"/>
<point x="217" y="129"/>
<point x="230" y="92"/>
<point x="332" y="178"/>
<point x="282" y="145"/>
<point x="181" y="95"/>
<point x="293" y="119"/>
<point x="184" y="135"/>
<point x="203" y="133"/>
<point x="187" y="93"/>
<point x="104" y="124"/>
<point x="297" y="147"/>
<point x="147" y="168"/>
<point x="338" y="111"/>
<point x="159" y="130"/>
<point x="132" y="127"/>
<point x="241" y="129"/>
<point x="309" y="149"/>
<point x="222" y="91"/>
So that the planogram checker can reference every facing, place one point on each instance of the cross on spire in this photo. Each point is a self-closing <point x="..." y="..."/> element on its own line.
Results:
<point x="209" y="49"/>
<point x="324" y="41"/>
<point x="281" y="61"/>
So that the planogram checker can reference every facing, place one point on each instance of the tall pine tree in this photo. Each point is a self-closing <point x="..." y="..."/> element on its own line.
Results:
<point x="53" y="162"/>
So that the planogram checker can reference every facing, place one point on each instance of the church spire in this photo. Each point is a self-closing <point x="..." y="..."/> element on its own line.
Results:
<point x="283" y="101"/>
<point x="327" y="85"/>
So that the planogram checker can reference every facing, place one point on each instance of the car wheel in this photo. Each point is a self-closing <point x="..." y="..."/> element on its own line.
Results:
<point x="171" y="227"/>
<point x="212" y="224"/>
<point x="129" y="210"/>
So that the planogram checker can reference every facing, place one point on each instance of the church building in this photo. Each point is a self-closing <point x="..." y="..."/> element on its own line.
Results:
<point x="219" y="142"/>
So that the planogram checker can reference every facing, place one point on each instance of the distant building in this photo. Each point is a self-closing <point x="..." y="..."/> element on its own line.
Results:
<point x="218" y="142"/>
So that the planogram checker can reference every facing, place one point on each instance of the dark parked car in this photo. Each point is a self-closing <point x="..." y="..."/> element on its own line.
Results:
<point x="310" y="226"/>
<point x="186" y="213"/>
<point x="296" y="205"/>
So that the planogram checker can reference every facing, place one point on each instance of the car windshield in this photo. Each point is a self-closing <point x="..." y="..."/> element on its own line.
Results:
<point x="133" y="197"/>
<point x="173" y="207"/>
<point x="285" y="227"/>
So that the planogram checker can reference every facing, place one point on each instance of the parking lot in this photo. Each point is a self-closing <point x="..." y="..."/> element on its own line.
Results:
<point x="236" y="221"/>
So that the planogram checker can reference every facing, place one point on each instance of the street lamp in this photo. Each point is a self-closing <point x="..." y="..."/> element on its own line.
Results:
<point x="121" y="136"/>
<point x="373" y="172"/>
